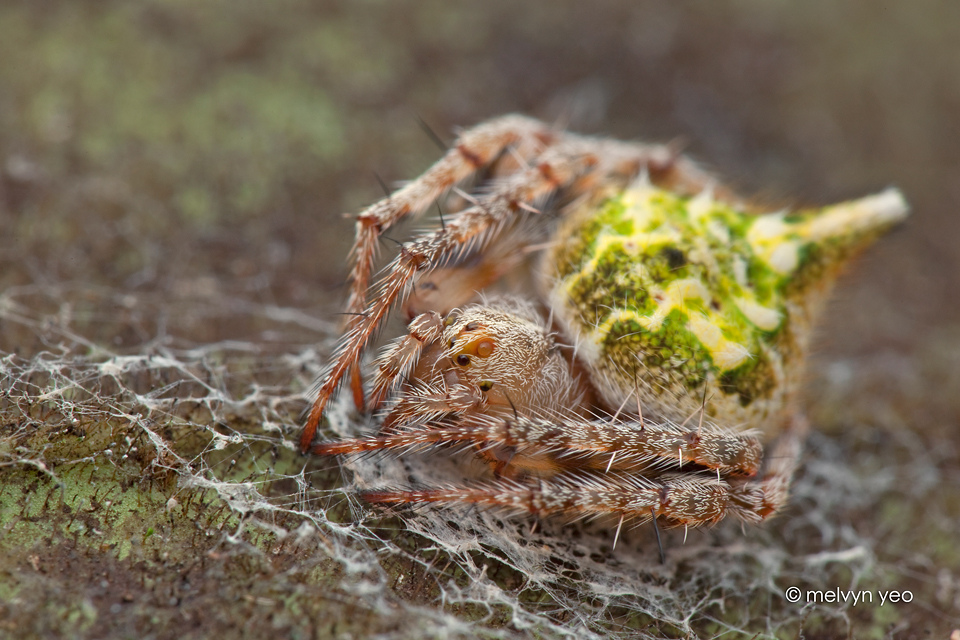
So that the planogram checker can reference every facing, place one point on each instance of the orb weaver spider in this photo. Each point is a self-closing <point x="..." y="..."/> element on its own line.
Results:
<point x="651" y="344"/>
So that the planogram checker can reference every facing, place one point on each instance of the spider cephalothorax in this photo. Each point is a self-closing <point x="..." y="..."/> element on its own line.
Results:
<point x="652" y="344"/>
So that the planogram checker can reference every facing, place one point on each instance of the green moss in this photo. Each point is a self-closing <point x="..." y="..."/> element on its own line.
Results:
<point x="754" y="379"/>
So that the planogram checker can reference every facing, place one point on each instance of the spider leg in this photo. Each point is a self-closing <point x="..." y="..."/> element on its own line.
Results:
<point x="622" y="446"/>
<point x="571" y="444"/>
<point x="681" y="499"/>
<point x="401" y="355"/>
<point x="425" y="402"/>
<point x="557" y="167"/>
<point x="447" y="287"/>
<point x="475" y="149"/>
<point x="757" y="500"/>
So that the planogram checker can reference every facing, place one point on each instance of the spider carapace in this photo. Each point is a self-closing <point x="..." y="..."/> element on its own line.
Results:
<point x="649" y="346"/>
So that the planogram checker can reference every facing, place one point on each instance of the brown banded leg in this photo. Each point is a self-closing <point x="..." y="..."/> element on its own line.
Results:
<point x="572" y="444"/>
<point x="680" y="499"/>
<point x="685" y="499"/>
<point x="400" y="356"/>
<point x="627" y="446"/>
<point x="576" y="164"/>
<point x="756" y="500"/>
<point x="476" y="148"/>
<point x="691" y="500"/>
<point x="423" y="402"/>
<point x="454" y="285"/>
<point x="467" y="230"/>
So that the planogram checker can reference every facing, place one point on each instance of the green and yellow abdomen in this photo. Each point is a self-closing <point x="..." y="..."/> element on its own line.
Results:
<point x="682" y="299"/>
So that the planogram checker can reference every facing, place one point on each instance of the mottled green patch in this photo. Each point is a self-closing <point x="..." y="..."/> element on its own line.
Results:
<point x="694" y="275"/>
<point x="673" y="351"/>
<point x="817" y="262"/>
<point x="649" y="249"/>
<point x="754" y="379"/>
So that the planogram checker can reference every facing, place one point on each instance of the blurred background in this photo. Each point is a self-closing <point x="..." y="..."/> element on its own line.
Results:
<point x="146" y="143"/>
<point x="168" y="165"/>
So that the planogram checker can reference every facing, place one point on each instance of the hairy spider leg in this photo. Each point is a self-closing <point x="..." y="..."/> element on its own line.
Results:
<point x="558" y="167"/>
<point x="689" y="499"/>
<point x="399" y="356"/>
<point x="475" y="149"/>
<point x="577" y="444"/>
<point x="686" y="499"/>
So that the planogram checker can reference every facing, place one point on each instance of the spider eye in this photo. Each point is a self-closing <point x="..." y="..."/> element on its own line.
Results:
<point x="451" y="318"/>
<point x="486" y="385"/>
<point x="472" y="326"/>
<point x="463" y="359"/>
<point x="485" y="348"/>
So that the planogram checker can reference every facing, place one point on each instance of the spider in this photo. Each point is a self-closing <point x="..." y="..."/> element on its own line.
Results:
<point x="650" y="344"/>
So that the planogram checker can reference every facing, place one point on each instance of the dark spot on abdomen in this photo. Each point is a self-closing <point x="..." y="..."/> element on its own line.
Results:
<point x="675" y="257"/>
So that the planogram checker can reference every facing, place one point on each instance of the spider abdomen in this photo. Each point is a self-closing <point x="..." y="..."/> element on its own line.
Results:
<point x="690" y="301"/>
